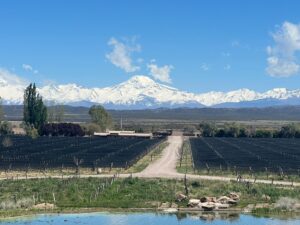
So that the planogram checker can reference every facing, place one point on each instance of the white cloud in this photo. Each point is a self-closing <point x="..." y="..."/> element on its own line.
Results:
<point x="225" y="54"/>
<point x="227" y="67"/>
<point x="235" y="43"/>
<point x="160" y="73"/>
<point x="121" y="55"/>
<point x="282" y="60"/>
<point x="204" y="67"/>
<point x="9" y="78"/>
<point x="29" y="68"/>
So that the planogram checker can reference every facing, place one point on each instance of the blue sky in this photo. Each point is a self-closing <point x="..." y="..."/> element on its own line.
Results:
<point x="196" y="46"/>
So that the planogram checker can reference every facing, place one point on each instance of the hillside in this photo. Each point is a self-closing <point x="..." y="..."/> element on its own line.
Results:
<point x="291" y="113"/>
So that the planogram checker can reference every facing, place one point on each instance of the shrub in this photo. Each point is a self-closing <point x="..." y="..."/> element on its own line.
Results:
<point x="287" y="203"/>
<point x="5" y="128"/>
<point x="91" y="128"/>
<point x="61" y="129"/>
<point x="7" y="142"/>
<point x="21" y="203"/>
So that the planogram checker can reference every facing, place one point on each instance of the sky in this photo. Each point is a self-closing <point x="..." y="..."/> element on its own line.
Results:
<point x="196" y="46"/>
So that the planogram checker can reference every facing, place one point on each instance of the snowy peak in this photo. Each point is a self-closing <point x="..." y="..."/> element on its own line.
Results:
<point x="141" y="92"/>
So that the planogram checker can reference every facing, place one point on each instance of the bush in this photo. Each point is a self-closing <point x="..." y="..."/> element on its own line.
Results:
<point x="7" y="142"/>
<point x="287" y="203"/>
<point x="5" y="128"/>
<point x="61" y="129"/>
<point x="31" y="131"/>
<point x="91" y="128"/>
<point x="21" y="203"/>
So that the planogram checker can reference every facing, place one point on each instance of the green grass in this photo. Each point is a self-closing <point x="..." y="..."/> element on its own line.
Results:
<point x="131" y="192"/>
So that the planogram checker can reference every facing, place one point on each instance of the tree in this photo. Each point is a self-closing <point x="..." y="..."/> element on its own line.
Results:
<point x="231" y="130"/>
<point x="207" y="129"/>
<point x="100" y="117"/>
<point x="35" y="112"/>
<point x="288" y="131"/>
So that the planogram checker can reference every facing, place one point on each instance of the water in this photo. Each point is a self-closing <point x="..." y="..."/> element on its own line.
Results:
<point x="147" y="219"/>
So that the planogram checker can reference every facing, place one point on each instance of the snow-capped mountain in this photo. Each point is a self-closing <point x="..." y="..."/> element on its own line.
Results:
<point x="143" y="92"/>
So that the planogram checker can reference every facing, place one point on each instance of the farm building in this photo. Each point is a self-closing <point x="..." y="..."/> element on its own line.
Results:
<point x="123" y="133"/>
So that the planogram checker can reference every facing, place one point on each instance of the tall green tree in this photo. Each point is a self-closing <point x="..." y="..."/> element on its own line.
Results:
<point x="35" y="112"/>
<point x="100" y="117"/>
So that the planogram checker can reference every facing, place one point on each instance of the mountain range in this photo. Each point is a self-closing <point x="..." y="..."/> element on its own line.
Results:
<point x="142" y="92"/>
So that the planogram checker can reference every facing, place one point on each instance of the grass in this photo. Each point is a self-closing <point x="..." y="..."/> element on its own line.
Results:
<point x="187" y="166"/>
<point x="129" y="193"/>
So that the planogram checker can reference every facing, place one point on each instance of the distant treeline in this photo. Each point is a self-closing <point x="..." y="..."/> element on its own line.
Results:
<point x="80" y="114"/>
<point x="234" y="130"/>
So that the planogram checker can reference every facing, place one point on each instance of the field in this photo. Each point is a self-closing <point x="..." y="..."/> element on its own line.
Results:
<point x="20" y="152"/>
<point x="251" y="155"/>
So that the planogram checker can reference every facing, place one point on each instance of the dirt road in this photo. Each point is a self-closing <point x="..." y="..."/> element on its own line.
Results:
<point x="166" y="165"/>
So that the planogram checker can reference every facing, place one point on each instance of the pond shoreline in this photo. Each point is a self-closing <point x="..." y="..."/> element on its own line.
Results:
<point x="60" y="211"/>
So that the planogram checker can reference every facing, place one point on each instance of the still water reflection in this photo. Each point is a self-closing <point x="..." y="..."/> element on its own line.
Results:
<point x="149" y="219"/>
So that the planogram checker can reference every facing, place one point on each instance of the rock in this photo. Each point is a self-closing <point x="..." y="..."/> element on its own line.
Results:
<point x="164" y="205"/>
<point x="222" y="205"/>
<point x="44" y="206"/>
<point x="234" y="196"/>
<point x="193" y="202"/>
<point x="208" y="206"/>
<point x="266" y="197"/>
<point x="208" y="199"/>
<point x="249" y="208"/>
<point x="223" y="199"/>
<point x="297" y="206"/>
<point x="170" y="210"/>
<point x="262" y="205"/>
<point x="174" y="205"/>
<point x="232" y="202"/>
<point x="180" y="197"/>
<point x="99" y="170"/>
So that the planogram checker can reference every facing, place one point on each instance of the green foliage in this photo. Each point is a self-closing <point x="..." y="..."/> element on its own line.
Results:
<point x="131" y="192"/>
<point x="31" y="131"/>
<point x="207" y="129"/>
<point x="100" y="117"/>
<point x="263" y="134"/>
<point x="35" y="112"/>
<point x="7" y="142"/>
<point x="5" y="128"/>
<point x="90" y="128"/>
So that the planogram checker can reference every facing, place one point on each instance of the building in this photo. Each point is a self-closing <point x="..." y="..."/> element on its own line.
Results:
<point x="123" y="133"/>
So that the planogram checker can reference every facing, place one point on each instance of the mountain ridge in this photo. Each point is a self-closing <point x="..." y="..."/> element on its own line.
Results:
<point x="142" y="92"/>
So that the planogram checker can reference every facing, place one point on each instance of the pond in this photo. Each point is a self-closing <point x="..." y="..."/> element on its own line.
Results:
<point x="149" y="219"/>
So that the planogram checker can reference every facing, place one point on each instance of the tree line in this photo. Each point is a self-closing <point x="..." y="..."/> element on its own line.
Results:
<point x="234" y="130"/>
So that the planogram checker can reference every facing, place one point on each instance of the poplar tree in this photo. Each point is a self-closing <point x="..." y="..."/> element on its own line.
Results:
<point x="35" y="112"/>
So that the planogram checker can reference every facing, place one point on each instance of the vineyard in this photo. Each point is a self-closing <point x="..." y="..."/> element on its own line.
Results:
<point x="20" y="152"/>
<point x="278" y="155"/>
